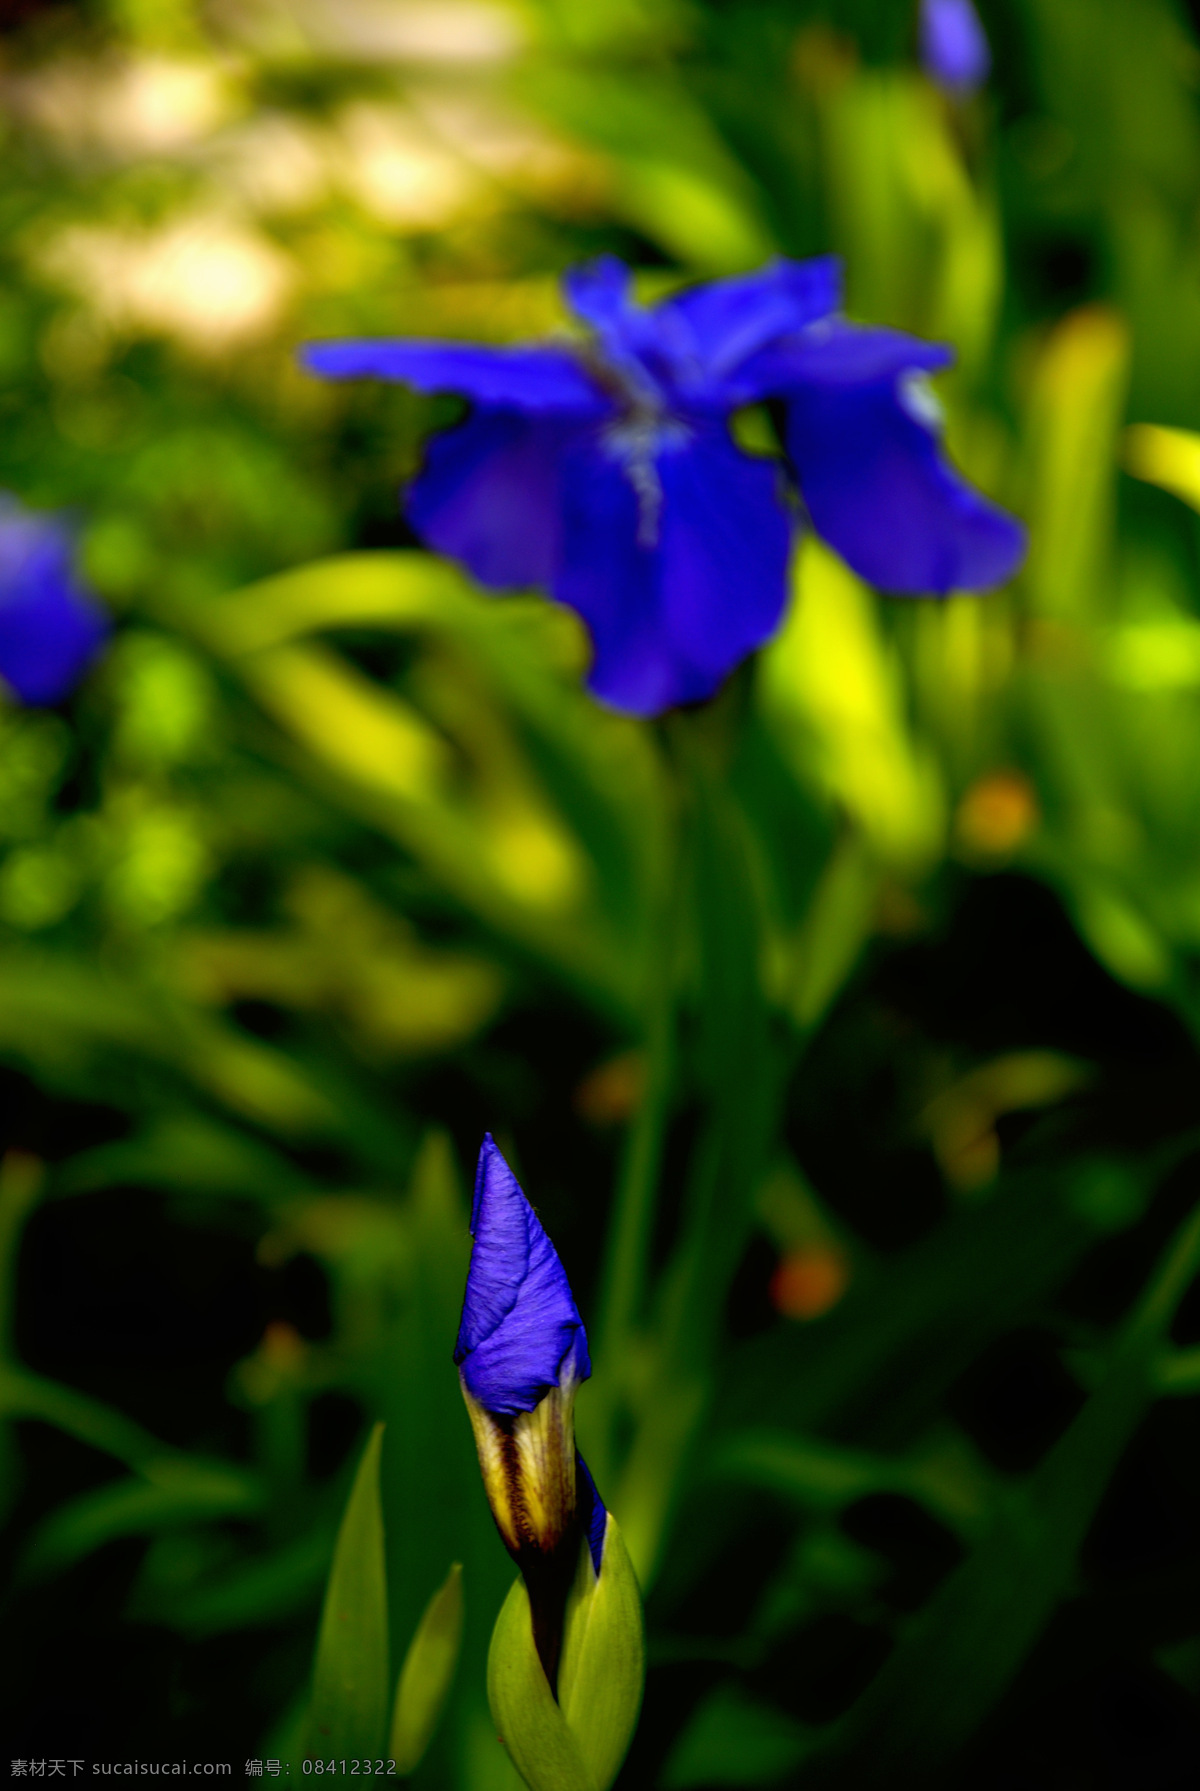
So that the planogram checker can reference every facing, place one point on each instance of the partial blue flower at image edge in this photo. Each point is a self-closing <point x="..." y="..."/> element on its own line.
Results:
<point x="51" y="629"/>
<point x="603" y="472"/>
<point x="954" y="48"/>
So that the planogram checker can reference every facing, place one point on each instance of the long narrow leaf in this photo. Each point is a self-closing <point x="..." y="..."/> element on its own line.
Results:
<point x="964" y="1650"/>
<point x="350" y="1678"/>
<point x="427" y="1673"/>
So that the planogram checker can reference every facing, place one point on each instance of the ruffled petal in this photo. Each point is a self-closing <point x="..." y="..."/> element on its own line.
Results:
<point x="712" y="329"/>
<point x="521" y="1333"/>
<point x="676" y="558"/>
<point x="50" y="629"/>
<point x="490" y="496"/>
<point x="529" y="379"/>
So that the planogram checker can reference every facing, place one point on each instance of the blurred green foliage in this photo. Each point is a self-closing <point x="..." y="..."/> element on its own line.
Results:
<point x="844" y="1032"/>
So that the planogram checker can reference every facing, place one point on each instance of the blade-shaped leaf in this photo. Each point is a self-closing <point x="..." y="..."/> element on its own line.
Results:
<point x="166" y="1494"/>
<point x="350" y="1678"/>
<point x="427" y="1673"/>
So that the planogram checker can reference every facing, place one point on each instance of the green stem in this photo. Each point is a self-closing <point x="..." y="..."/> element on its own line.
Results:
<point x="737" y="1071"/>
<point x="1154" y="1312"/>
<point x="624" y="1278"/>
<point x="622" y="1299"/>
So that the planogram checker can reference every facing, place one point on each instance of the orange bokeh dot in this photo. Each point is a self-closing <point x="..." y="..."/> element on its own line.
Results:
<point x="809" y="1281"/>
<point x="997" y="813"/>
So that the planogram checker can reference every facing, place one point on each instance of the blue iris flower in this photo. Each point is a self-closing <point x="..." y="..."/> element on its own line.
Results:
<point x="521" y="1355"/>
<point x="604" y="472"/>
<point x="50" y="629"/>
<point x="954" y="49"/>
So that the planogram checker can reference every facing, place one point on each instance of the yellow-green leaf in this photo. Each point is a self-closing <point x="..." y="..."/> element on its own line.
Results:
<point x="427" y="1673"/>
<point x="530" y="1723"/>
<point x="604" y="1659"/>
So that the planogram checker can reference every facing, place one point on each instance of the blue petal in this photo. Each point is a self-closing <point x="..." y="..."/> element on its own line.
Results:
<point x="696" y="341"/>
<point x="521" y="1332"/>
<point x="718" y="326"/>
<point x="863" y="440"/>
<point x="601" y="293"/>
<point x="529" y="379"/>
<point x="675" y="554"/>
<point x="954" y="49"/>
<point x="837" y="353"/>
<point x="50" y="629"/>
<point x="490" y="496"/>
<point x="592" y="1513"/>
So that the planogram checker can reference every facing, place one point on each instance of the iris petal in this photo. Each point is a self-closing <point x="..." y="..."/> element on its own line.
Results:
<point x="724" y="322"/>
<point x="521" y="1333"/>
<point x="863" y="440"/>
<point x="50" y="629"/>
<point x="531" y="379"/>
<point x="592" y="1512"/>
<point x="679" y="582"/>
<point x="836" y="353"/>
<point x="489" y="496"/>
<point x="601" y="293"/>
<point x="880" y="490"/>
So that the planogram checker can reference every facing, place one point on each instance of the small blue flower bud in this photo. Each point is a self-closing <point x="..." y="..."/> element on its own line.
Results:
<point x="521" y="1355"/>
<point x="954" y="49"/>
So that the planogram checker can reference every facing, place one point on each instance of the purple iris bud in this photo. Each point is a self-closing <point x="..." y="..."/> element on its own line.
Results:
<point x="954" y="49"/>
<point x="521" y="1355"/>
<point x="604" y="471"/>
<point x="521" y="1334"/>
<point x="50" y="628"/>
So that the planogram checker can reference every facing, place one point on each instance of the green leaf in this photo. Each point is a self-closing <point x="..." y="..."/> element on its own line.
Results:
<point x="672" y="176"/>
<point x="964" y="1649"/>
<point x="1078" y="393"/>
<point x="820" y="1476"/>
<point x="732" y="1741"/>
<point x="426" y="1675"/>
<point x="578" y="1742"/>
<point x="208" y="1600"/>
<point x="603" y="1666"/>
<point x="468" y="765"/>
<point x="350" y="1678"/>
<point x="532" y="1727"/>
<point x="25" y="1395"/>
<point x="169" y="1492"/>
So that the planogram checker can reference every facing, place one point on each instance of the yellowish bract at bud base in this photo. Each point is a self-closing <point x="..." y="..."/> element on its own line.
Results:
<point x="528" y="1466"/>
<point x="578" y="1743"/>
